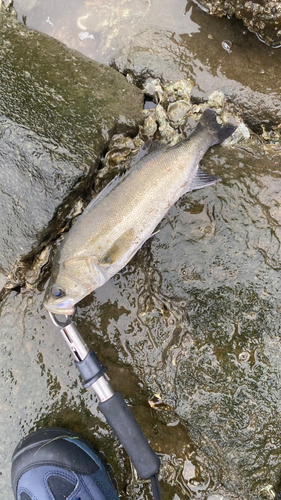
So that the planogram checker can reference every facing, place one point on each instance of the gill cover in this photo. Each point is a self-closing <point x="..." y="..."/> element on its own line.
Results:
<point x="82" y="269"/>
<point x="76" y="278"/>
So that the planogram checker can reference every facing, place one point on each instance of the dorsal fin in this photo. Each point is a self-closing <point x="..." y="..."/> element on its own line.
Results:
<point x="149" y="147"/>
<point x="156" y="146"/>
<point x="110" y="186"/>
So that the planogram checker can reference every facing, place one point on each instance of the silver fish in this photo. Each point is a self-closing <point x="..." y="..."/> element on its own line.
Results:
<point x="124" y="215"/>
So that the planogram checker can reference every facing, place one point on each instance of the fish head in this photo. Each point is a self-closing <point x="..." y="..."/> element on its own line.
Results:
<point x="71" y="281"/>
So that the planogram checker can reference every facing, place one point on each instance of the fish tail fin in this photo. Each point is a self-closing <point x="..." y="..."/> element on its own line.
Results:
<point x="218" y="131"/>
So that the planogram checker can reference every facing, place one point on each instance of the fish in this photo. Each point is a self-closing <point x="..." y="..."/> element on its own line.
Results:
<point x="125" y="214"/>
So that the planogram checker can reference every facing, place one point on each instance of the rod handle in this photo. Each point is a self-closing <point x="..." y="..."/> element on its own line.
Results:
<point x="130" y="435"/>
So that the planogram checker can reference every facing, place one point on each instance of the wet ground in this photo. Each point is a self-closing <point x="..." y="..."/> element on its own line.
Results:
<point x="194" y="317"/>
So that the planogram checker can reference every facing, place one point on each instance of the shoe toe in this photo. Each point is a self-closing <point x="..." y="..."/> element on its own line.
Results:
<point x="55" y="464"/>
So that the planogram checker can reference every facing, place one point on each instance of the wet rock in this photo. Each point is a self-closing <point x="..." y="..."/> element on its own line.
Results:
<point x="41" y="387"/>
<point x="58" y="110"/>
<point x="196" y="315"/>
<point x="262" y="17"/>
<point x="253" y="88"/>
<point x="164" y="41"/>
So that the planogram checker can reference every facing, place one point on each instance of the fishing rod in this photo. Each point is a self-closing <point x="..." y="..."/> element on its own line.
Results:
<point x="112" y="404"/>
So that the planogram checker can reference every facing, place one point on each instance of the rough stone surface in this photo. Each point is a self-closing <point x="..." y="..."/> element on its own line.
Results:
<point x="262" y="17"/>
<point x="58" y="109"/>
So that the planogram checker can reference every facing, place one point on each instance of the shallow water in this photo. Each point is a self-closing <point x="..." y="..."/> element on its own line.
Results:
<point x="107" y="23"/>
<point x="195" y="316"/>
<point x="171" y="40"/>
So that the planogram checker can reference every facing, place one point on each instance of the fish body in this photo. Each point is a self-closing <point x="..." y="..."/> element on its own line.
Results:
<point x="124" y="215"/>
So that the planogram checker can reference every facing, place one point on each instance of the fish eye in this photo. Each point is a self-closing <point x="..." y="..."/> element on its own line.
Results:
<point x="57" y="292"/>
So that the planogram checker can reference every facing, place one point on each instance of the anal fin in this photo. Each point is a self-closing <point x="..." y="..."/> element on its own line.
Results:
<point x="202" y="179"/>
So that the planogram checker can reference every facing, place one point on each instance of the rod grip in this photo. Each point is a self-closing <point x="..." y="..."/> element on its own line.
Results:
<point x="130" y="435"/>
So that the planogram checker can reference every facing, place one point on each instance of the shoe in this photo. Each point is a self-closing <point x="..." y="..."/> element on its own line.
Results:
<point x="57" y="464"/>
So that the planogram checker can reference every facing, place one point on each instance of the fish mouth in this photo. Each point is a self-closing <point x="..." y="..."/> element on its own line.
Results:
<point x="66" y="308"/>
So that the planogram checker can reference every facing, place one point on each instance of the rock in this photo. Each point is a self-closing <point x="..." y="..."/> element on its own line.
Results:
<point x="262" y="17"/>
<point x="41" y="387"/>
<point x="39" y="383"/>
<point x="184" y="41"/>
<point x="196" y="315"/>
<point x="254" y="89"/>
<point x="58" y="110"/>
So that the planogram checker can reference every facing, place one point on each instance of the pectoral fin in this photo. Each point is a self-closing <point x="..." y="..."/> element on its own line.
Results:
<point x="119" y="248"/>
